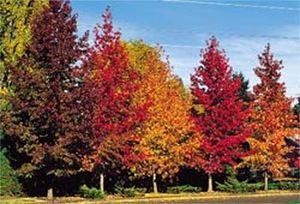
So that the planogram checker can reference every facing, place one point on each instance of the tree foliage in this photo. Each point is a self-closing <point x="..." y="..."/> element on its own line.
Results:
<point x="244" y="92"/>
<point x="222" y="121"/>
<point x="271" y="120"/>
<point x="167" y="123"/>
<point x="296" y="110"/>
<point x="9" y="184"/>
<point x="15" y="34"/>
<point x="43" y="120"/>
<point x="116" y="106"/>
<point x="110" y="83"/>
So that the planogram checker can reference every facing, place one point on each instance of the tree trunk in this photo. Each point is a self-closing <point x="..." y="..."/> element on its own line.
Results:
<point x="154" y="183"/>
<point x="50" y="193"/>
<point x="102" y="182"/>
<point x="266" y="180"/>
<point x="210" y="183"/>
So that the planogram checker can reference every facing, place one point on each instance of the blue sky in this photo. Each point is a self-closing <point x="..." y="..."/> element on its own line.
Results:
<point x="182" y="27"/>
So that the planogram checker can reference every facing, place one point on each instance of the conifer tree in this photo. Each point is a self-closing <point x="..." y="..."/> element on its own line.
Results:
<point x="244" y="92"/>
<point x="9" y="184"/>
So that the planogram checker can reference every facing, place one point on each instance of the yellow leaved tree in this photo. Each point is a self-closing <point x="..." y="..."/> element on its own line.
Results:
<point x="167" y="125"/>
<point x="15" y="33"/>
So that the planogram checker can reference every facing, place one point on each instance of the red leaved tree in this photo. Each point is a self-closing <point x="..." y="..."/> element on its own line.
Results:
<point x="222" y="116"/>
<point x="112" y="117"/>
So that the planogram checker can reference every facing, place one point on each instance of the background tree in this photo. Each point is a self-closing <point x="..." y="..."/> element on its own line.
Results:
<point x="296" y="109"/>
<point x="43" y="119"/>
<point x="111" y="84"/>
<point x="167" y="123"/>
<point x="244" y="92"/>
<point x="9" y="184"/>
<point x="15" y="21"/>
<point x="222" y="122"/>
<point x="271" y="120"/>
<point x="15" y="34"/>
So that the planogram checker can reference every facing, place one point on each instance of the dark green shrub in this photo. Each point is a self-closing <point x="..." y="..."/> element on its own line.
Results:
<point x="252" y="187"/>
<point x="9" y="184"/>
<point x="233" y="185"/>
<point x="93" y="193"/>
<point x="284" y="185"/>
<point x="273" y="186"/>
<point x="289" y="185"/>
<point x="183" y="189"/>
<point x="129" y="192"/>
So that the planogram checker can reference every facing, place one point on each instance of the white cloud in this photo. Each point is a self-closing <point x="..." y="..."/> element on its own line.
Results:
<point x="242" y="52"/>
<point x="243" y="57"/>
<point x="130" y="31"/>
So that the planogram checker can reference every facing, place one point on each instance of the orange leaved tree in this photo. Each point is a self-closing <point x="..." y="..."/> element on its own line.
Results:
<point x="271" y="120"/>
<point x="167" y="125"/>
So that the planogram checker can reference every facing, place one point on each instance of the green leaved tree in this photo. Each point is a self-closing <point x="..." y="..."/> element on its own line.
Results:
<point x="9" y="184"/>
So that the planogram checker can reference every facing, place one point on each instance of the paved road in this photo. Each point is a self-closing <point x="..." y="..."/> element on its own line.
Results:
<point x="257" y="200"/>
<point x="280" y="199"/>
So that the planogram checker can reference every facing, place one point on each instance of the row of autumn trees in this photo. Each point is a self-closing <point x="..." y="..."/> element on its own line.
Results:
<point x="68" y="107"/>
